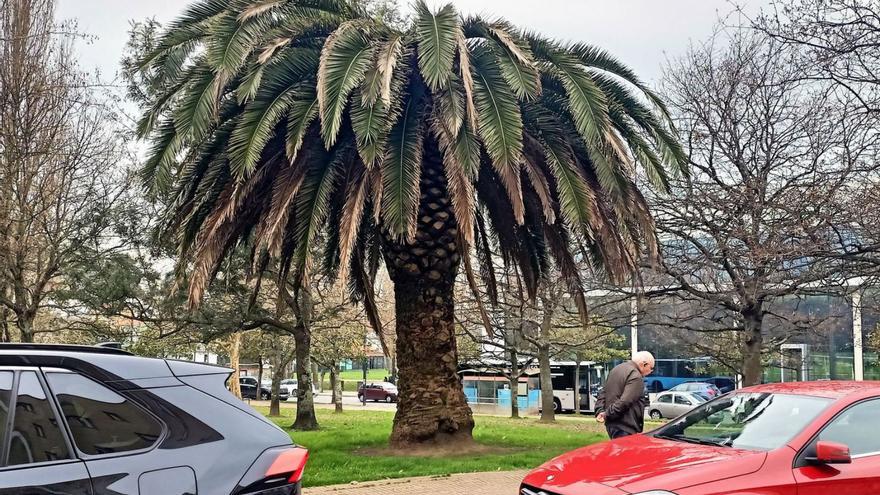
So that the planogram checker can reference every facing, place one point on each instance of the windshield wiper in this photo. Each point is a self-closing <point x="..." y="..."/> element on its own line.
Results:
<point x="698" y="441"/>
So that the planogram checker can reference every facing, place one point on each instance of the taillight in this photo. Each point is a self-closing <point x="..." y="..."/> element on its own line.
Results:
<point x="277" y="471"/>
<point x="290" y="463"/>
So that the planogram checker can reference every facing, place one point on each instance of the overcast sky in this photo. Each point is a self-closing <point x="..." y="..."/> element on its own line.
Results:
<point x="642" y="33"/>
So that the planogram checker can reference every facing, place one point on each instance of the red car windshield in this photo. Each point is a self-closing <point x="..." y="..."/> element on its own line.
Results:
<point x="751" y="421"/>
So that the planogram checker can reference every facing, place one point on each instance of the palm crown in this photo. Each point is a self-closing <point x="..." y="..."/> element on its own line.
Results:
<point x="272" y="121"/>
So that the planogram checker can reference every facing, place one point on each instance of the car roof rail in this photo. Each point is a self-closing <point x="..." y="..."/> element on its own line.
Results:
<point x="94" y="349"/>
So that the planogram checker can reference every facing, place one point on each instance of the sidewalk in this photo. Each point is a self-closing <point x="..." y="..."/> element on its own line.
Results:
<point x="494" y="483"/>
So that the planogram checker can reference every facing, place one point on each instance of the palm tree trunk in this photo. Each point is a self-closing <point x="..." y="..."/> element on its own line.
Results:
<point x="432" y="406"/>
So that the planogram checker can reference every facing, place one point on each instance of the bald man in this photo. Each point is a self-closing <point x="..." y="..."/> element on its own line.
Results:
<point x="620" y="405"/>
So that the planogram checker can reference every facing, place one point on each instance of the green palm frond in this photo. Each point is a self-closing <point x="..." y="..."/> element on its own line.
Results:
<point x="436" y="34"/>
<point x="402" y="167"/>
<point x="595" y="57"/>
<point x="514" y="56"/>
<point x="312" y="206"/>
<point x="157" y="170"/>
<point x="287" y="82"/>
<point x="461" y="161"/>
<point x="344" y="62"/>
<point x="185" y="31"/>
<point x="500" y="125"/>
<point x="232" y="39"/>
<point x="258" y="124"/>
<point x="371" y="126"/>
<point x="198" y="106"/>
<point x="303" y="111"/>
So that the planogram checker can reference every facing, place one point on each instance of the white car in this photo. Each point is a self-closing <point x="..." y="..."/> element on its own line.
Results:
<point x="291" y="384"/>
<point x="673" y="404"/>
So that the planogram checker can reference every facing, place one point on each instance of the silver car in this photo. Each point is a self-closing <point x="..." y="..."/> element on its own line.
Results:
<point x="673" y="404"/>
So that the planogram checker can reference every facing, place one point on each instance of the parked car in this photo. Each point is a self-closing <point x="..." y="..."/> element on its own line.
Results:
<point x="93" y="420"/>
<point x="381" y="391"/>
<point x="725" y="384"/>
<point x="807" y="438"/>
<point x="291" y="385"/>
<point x="673" y="404"/>
<point x="705" y="389"/>
<point x="248" y="386"/>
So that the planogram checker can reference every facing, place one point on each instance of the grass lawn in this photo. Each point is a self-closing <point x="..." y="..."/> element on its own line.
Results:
<point x="518" y="444"/>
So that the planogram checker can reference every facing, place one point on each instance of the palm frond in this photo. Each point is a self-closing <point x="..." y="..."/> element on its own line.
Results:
<point x="345" y="59"/>
<point x="354" y="202"/>
<point x="312" y="206"/>
<point x="467" y="78"/>
<point x="156" y="172"/>
<point x="198" y="106"/>
<point x="436" y="35"/>
<point x="461" y="160"/>
<point x="231" y="39"/>
<point x="299" y="119"/>
<point x="259" y="7"/>
<point x="500" y="126"/>
<point x="402" y="167"/>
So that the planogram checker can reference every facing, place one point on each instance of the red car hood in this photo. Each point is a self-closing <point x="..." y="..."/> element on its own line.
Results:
<point x="640" y="463"/>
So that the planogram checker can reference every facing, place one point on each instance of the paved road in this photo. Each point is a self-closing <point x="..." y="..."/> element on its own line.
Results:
<point x="494" y="483"/>
<point x="349" y="401"/>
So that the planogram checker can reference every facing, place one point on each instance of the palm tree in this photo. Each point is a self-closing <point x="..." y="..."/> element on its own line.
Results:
<point x="278" y="122"/>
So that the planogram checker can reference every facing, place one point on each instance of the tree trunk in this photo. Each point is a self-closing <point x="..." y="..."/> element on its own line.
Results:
<point x="753" y="369"/>
<point x="277" y="376"/>
<point x="513" y="380"/>
<point x="432" y="407"/>
<point x="4" y="325"/>
<point x="577" y="385"/>
<point x="316" y="376"/>
<point x="235" y="364"/>
<point x="393" y="369"/>
<point x="305" y="401"/>
<point x="336" y="384"/>
<point x="25" y="323"/>
<point x="547" y="413"/>
<point x="321" y="381"/>
<point x="259" y="377"/>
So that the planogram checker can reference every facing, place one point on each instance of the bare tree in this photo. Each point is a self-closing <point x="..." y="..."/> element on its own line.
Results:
<point x="516" y="331"/>
<point x="60" y="179"/>
<point x="841" y="39"/>
<point x="773" y="155"/>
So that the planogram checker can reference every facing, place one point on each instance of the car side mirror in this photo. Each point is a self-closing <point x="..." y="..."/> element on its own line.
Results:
<point x="831" y="453"/>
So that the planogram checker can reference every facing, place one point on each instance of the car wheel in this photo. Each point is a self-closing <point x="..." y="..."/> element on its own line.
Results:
<point x="389" y="399"/>
<point x="264" y="396"/>
<point x="557" y="406"/>
<point x="656" y="416"/>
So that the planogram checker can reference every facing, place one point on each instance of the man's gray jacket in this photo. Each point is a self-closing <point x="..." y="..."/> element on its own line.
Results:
<point x="622" y="398"/>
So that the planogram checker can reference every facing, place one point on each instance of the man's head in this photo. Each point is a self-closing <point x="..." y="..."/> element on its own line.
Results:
<point x="645" y="362"/>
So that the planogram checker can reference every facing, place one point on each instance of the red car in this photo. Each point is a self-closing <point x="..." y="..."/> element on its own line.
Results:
<point x="812" y="438"/>
<point x="383" y="391"/>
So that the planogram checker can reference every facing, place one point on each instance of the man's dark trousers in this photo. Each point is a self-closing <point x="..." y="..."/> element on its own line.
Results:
<point x="615" y="432"/>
